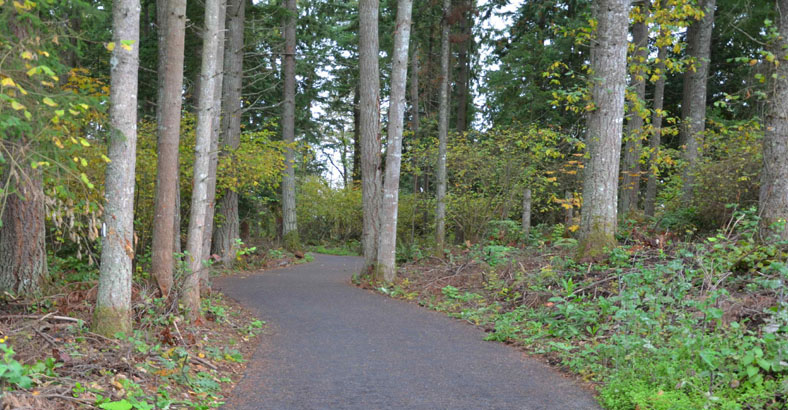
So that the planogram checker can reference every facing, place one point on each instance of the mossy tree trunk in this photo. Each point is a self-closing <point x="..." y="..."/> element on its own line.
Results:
<point x="113" y="303"/>
<point x="605" y="125"/>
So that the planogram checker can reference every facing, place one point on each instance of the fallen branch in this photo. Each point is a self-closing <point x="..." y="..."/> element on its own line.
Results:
<point x="48" y="316"/>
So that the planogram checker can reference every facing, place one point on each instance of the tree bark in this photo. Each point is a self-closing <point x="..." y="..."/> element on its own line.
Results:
<point x="443" y="131"/>
<point x="356" y="137"/>
<point x="113" y="303"/>
<point x="369" y="125"/>
<point x="630" y="184"/>
<point x="414" y="91"/>
<point x="656" y="136"/>
<point x="202" y="158"/>
<point x="774" y="179"/>
<point x="605" y="125"/>
<point x="387" y="246"/>
<point x="693" y="103"/>
<point x="172" y="26"/>
<point x="205" y="283"/>
<point x="526" y="221"/>
<point x="464" y="61"/>
<point x="569" y="214"/>
<point x="289" y="226"/>
<point x="23" y="266"/>
<point x="226" y="233"/>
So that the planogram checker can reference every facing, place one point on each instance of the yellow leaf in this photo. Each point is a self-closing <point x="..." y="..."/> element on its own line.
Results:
<point x="48" y="101"/>
<point x="57" y="142"/>
<point x="27" y="55"/>
<point x="84" y="142"/>
<point x="17" y="106"/>
<point x="7" y="82"/>
<point x="83" y="161"/>
<point x="43" y="53"/>
<point x="573" y="228"/>
<point x="110" y="46"/>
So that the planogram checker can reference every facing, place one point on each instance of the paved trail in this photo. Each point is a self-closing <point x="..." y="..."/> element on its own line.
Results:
<point x="334" y="346"/>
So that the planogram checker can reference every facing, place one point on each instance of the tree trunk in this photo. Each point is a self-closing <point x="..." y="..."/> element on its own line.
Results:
<point x="23" y="266"/>
<point x="205" y="282"/>
<point x="693" y="103"/>
<point x="356" y="137"/>
<point x="774" y="179"/>
<point x="443" y="131"/>
<point x="526" y="222"/>
<point x="387" y="246"/>
<point x="464" y="61"/>
<point x="414" y="92"/>
<point x="569" y="215"/>
<point x="113" y="303"/>
<point x="605" y="125"/>
<point x="289" y="227"/>
<point x="656" y="136"/>
<point x="202" y="158"/>
<point x="226" y="233"/>
<point x="172" y="26"/>
<point x="630" y="184"/>
<point x="369" y="125"/>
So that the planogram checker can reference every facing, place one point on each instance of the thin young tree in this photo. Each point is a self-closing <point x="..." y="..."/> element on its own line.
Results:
<point x="113" y="303"/>
<point x="369" y="127"/>
<point x="207" y="236"/>
<point x="202" y="158"/>
<point x="633" y="147"/>
<point x="693" y="103"/>
<point x="649" y="204"/>
<point x="774" y="179"/>
<point x="387" y="246"/>
<point x="226" y="233"/>
<point x="443" y="131"/>
<point x="172" y="29"/>
<point x="604" y="127"/>
<point x="465" y="47"/>
<point x="289" y="224"/>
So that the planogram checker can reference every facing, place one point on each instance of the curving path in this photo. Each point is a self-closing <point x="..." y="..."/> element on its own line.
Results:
<point x="334" y="346"/>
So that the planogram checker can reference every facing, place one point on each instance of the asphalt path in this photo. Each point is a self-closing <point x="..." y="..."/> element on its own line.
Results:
<point x="330" y="345"/>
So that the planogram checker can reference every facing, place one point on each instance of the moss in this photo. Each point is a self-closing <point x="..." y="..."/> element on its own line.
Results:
<point x="596" y="243"/>
<point x="108" y="321"/>
<point x="291" y="241"/>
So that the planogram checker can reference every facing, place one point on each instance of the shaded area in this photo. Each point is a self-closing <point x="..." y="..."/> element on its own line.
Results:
<point x="333" y="346"/>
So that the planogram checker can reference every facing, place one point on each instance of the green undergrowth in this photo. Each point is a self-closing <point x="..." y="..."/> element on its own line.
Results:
<point x="658" y="324"/>
<point x="342" y="249"/>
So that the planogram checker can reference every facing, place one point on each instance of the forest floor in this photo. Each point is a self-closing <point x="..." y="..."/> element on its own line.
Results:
<point x="332" y="345"/>
<point x="51" y="359"/>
